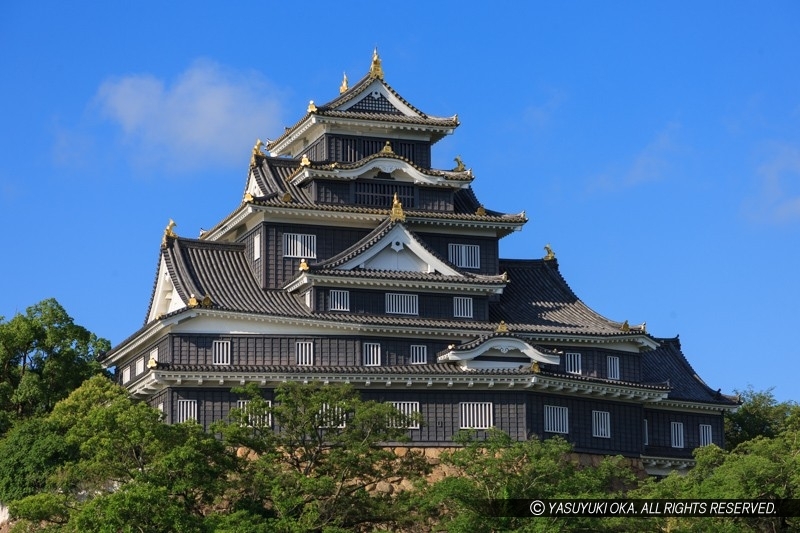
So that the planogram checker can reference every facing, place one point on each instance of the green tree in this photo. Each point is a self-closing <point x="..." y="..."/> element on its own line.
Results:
<point x="759" y="415"/>
<point x="44" y="355"/>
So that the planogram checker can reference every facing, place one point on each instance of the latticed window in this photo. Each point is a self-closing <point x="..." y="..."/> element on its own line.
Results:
<point x="339" y="300"/>
<point x="380" y="194"/>
<point x="465" y="255"/>
<point x="187" y="410"/>
<point x="419" y="354"/>
<point x="705" y="434"/>
<point x="300" y="245"/>
<point x="407" y="409"/>
<point x="331" y="416"/>
<point x="677" y="434"/>
<point x="140" y="365"/>
<point x="126" y="374"/>
<point x="601" y="424"/>
<point x="573" y="363"/>
<point x="255" y="419"/>
<point x="222" y="352"/>
<point x="256" y="246"/>
<point x="402" y="304"/>
<point x="476" y="415"/>
<point x="462" y="307"/>
<point x="304" y="352"/>
<point x="372" y="354"/>
<point x="556" y="419"/>
<point x="612" y="362"/>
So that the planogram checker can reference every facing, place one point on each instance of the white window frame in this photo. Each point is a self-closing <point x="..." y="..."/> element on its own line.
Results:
<point x="257" y="421"/>
<point x="462" y="307"/>
<point x="187" y="410"/>
<point x="612" y="363"/>
<point x="407" y="409"/>
<point x="418" y="354"/>
<point x="337" y="414"/>
<point x="302" y="245"/>
<point x="464" y="255"/>
<point x="140" y="366"/>
<point x="646" y="431"/>
<point x="676" y="434"/>
<point x="556" y="419"/>
<point x="126" y="374"/>
<point x="338" y="300"/>
<point x="304" y="353"/>
<point x="476" y="415"/>
<point x="371" y="354"/>
<point x="402" y="303"/>
<point x="573" y="363"/>
<point x="221" y="352"/>
<point x="706" y="435"/>
<point x="601" y="424"/>
<point x="256" y="246"/>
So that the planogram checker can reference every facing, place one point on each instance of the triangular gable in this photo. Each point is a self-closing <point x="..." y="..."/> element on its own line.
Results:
<point x="497" y="352"/>
<point x="165" y="297"/>
<point x="377" y="98"/>
<point x="399" y="250"/>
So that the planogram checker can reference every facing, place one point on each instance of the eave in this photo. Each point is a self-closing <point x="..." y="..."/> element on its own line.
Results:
<point x="693" y="407"/>
<point x="662" y="466"/>
<point x="309" y="279"/>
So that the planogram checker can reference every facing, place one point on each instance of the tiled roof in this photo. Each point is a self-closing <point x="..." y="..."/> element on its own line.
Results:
<point x="409" y="276"/>
<point x="667" y="364"/>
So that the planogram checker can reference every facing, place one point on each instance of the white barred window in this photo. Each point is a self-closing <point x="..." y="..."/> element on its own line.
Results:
<point x="304" y="351"/>
<point x="573" y="363"/>
<point x="300" y="245"/>
<point x="556" y="419"/>
<point x="476" y="415"/>
<point x="257" y="420"/>
<point x="407" y="409"/>
<point x="646" y="432"/>
<point x="462" y="307"/>
<point x="222" y="352"/>
<point x="187" y="410"/>
<point x="402" y="304"/>
<point x="372" y="354"/>
<point x="339" y="300"/>
<point x="601" y="424"/>
<point x="256" y="246"/>
<point x="677" y="434"/>
<point x="331" y="417"/>
<point x="126" y="374"/>
<point x="705" y="435"/>
<point x="465" y="255"/>
<point x="140" y="365"/>
<point x="613" y="366"/>
<point x="419" y="354"/>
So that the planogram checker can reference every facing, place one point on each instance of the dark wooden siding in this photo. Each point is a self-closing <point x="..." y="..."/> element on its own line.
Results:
<point x="349" y="149"/>
<point x="594" y="363"/>
<point x="333" y="192"/>
<point x="489" y="249"/>
<point x="374" y="303"/>
<point x="256" y="264"/>
<point x="659" y="426"/>
<point x="430" y="199"/>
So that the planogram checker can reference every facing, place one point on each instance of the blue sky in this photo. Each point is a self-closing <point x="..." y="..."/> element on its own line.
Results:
<point x="654" y="145"/>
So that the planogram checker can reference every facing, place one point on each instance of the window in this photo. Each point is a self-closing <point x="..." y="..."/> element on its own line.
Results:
<point x="300" y="245"/>
<point x="465" y="255"/>
<point x="476" y="415"/>
<point x="339" y="300"/>
<point x="160" y="407"/>
<point x="646" y="433"/>
<point x="402" y="304"/>
<point x="257" y="420"/>
<point x="556" y="419"/>
<point x="612" y="362"/>
<point x="601" y="424"/>
<point x="304" y="353"/>
<point x="187" y="410"/>
<point x="331" y="417"/>
<point x="462" y="307"/>
<point x="256" y="246"/>
<point x="705" y="434"/>
<point x="419" y="354"/>
<point x="573" y="363"/>
<point x="126" y="374"/>
<point x="222" y="352"/>
<point x="677" y="434"/>
<point x="407" y="409"/>
<point x="140" y="365"/>
<point x="372" y="354"/>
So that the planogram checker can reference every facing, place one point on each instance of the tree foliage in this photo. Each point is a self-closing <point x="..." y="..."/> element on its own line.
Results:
<point x="759" y="415"/>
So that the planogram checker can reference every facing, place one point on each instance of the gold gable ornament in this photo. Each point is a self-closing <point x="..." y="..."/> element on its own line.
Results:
<point x="206" y="303"/>
<point x="625" y="327"/>
<point x="193" y="301"/>
<point x="152" y="363"/>
<point x="256" y="153"/>
<point x="303" y="265"/>
<point x="481" y="211"/>
<point x="375" y="69"/>
<point x="535" y="367"/>
<point x="248" y="198"/>
<point x="311" y="107"/>
<point x="502" y="327"/>
<point x="169" y="233"/>
<point x="550" y="254"/>
<point x="460" y="167"/>
<point x="343" y="86"/>
<point x="397" y="210"/>
<point x="286" y="198"/>
<point x="305" y="162"/>
<point x="387" y="148"/>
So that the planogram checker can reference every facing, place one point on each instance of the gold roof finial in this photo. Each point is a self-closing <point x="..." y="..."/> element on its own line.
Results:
<point x="343" y="87"/>
<point x="376" y="70"/>
<point x="625" y="326"/>
<point x="460" y="167"/>
<point x="287" y="197"/>
<point x="550" y="254"/>
<point x="502" y="327"/>
<point x="248" y="197"/>
<point x="305" y="162"/>
<point x="256" y="153"/>
<point x="311" y="107"/>
<point x="397" y="210"/>
<point x="206" y="301"/>
<point x="387" y="148"/>
<point x="535" y="367"/>
<point x="192" y="301"/>
<point x="481" y="211"/>
<point x="168" y="232"/>
<point x="303" y="265"/>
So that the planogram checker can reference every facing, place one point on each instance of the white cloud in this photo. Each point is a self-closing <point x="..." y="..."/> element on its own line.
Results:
<point x="208" y="115"/>
<point x="778" y="197"/>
